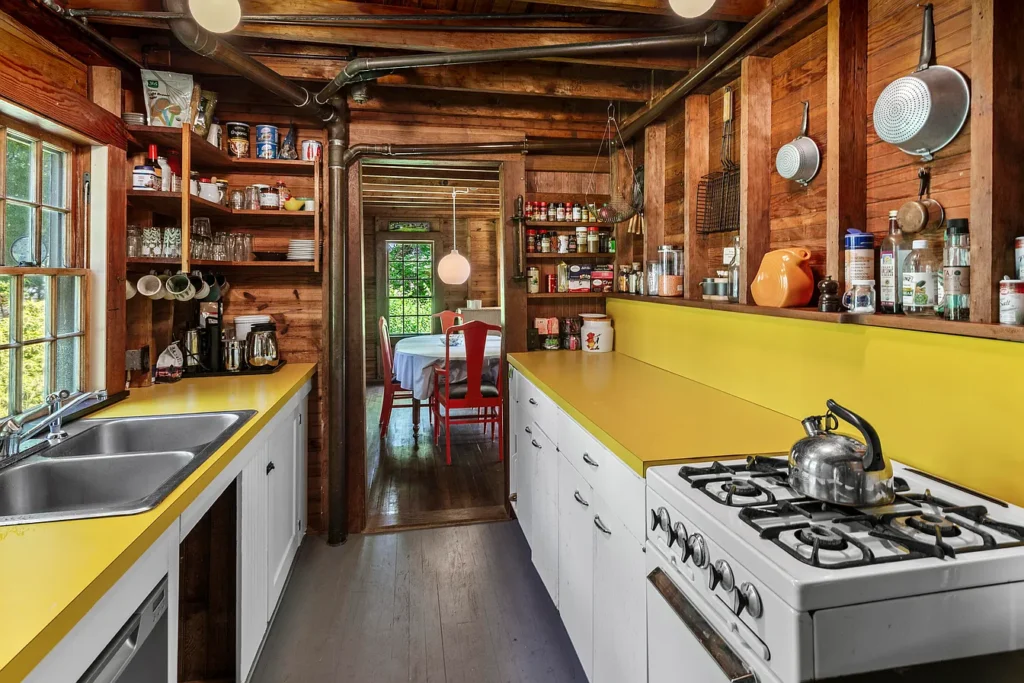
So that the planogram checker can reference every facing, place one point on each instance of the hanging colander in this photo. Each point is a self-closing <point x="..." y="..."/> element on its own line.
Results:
<point x="621" y="206"/>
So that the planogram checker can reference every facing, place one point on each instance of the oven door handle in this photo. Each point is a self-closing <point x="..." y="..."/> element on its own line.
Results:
<point x="714" y="644"/>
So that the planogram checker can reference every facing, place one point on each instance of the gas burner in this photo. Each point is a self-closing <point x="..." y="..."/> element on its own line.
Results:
<point x="822" y="537"/>
<point x="935" y="525"/>
<point x="743" y="489"/>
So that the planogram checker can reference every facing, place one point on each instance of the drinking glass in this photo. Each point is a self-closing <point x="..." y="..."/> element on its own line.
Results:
<point x="152" y="242"/>
<point x="134" y="241"/>
<point x="172" y="242"/>
<point x="247" y="244"/>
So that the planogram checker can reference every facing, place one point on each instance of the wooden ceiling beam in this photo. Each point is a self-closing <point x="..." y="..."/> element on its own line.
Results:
<point x="726" y="10"/>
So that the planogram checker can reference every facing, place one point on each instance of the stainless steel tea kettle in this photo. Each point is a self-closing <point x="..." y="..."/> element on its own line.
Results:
<point x="837" y="468"/>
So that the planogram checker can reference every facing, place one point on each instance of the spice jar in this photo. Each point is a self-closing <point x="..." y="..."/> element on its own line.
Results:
<point x="270" y="198"/>
<point x="533" y="280"/>
<point x="545" y="243"/>
<point x="581" y="239"/>
<point x="282" y="192"/>
<point x="552" y="212"/>
<point x="593" y="240"/>
<point x="531" y="241"/>
<point x="560" y="212"/>
<point x="577" y="212"/>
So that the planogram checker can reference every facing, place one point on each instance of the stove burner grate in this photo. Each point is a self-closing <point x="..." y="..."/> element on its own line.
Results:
<point x="936" y="525"/>
<point x="822" y="537"/>
<point x="743" y="489"/>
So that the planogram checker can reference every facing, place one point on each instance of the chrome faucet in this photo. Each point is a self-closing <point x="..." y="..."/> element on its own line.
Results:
<point x="52" y="413"/>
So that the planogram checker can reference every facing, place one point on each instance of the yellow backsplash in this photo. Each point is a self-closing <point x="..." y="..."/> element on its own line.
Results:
<point x="952" y="406"/>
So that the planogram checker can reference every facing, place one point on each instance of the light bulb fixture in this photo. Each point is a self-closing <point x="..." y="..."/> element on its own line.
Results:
<point x="453" y="269"/>
<point x="691" y="8"/>
<point x="218" y="16"/>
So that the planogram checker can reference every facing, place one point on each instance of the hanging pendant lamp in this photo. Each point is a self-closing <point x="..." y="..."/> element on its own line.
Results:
<point x="218" y="16"/>
<point x="453" y="269"/>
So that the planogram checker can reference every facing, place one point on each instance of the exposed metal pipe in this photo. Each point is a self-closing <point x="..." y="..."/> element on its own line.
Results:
<point x="525" y="146"/>
<point x="206" y="44"/>
<point x="337" y="460"/>
<point x="343" y="18"/>
<point x="366" y="68"/>
<point x="747" y="35"/>
<point x="81" y="25"/>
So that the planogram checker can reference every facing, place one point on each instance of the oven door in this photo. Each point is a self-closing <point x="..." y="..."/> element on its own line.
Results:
<point x="682" y="643"/>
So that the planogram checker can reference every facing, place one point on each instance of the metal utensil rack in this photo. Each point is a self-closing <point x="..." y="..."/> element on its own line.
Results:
<point x="718" y="192"/>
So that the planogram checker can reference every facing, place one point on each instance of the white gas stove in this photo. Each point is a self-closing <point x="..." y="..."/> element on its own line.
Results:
<point x="783" y="588"/>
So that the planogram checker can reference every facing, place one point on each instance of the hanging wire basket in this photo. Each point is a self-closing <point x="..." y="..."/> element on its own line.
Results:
<point x="621" y="207"/>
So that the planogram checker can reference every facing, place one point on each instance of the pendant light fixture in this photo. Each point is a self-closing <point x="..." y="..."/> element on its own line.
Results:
<point x="691" y="8"/>
<point x="453" y="269"/>
<point x="218" y="16"/>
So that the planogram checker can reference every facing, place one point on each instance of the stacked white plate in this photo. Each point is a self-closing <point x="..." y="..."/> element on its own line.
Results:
<point x="300" y="250"/>
<point x="244" y="323"/>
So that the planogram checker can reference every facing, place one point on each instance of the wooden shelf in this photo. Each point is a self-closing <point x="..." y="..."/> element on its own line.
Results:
<point x="567" y="225"/>
<point x="152" y="263"/>
<point x="569" y="295"/>
<point x="169" y="204"/>
<point x="206" y="157"/>
<point x="896" y="322"/>
<point x="253" y="264"/>
<point x="269" y="217"/>
<point x="573" y="255"/>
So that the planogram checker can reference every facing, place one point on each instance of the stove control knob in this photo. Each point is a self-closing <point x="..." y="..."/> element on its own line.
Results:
<point x="679" y="536"/>
<point x="747" y="598"/>
<point x="698" y="550"/>
<point x="721" y="573"/>
<point x="660" y="518"/>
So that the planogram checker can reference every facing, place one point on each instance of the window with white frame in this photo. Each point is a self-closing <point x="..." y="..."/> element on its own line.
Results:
<point x="42" y="324"/>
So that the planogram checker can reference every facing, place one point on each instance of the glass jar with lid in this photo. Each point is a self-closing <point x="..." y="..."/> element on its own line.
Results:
<point x="670" y="279"/>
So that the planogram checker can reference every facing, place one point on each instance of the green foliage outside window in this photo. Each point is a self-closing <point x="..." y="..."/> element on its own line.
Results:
<point x="410" y="287"/>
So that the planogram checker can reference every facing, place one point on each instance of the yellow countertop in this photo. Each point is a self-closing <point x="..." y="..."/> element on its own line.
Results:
<point x="52" y="574"/>
<point x="648" y="416"/>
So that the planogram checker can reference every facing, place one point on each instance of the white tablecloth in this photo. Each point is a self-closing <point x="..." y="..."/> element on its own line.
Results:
<point x="416" y="358"/>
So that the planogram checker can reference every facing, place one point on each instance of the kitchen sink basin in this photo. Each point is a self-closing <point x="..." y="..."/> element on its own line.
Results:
<point x="119" y="466"/>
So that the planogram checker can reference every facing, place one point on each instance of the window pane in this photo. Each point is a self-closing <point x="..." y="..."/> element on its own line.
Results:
<point x="20" y="172"/>
<point x="54" y="239"/>
<point x="424" y="325"/>
<point x="54" y="175"/>
<point x="5" y="317"/>
<point x="68" y="360"/>
<point x="18" y="235"/>
<point x="34" y="373"/>
<point x="67" y="305"/>
<point x="394" y="308"/>
<point x="35" y="299"/>
<point x="5" y="382"/>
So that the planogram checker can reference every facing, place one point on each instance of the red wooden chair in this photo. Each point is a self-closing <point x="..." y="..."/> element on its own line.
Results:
<point x="393" y="391"/>
<point x="448" y="319"/>
<point x="475" y="393"/>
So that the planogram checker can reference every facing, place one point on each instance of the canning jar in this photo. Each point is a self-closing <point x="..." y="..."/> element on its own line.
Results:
<point x="670" y="281"/>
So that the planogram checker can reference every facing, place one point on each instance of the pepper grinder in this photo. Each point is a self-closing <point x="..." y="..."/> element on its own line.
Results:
<point x="829" y="301"/>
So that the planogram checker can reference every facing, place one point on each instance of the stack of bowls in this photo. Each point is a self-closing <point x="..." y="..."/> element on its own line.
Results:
<point x="244" y="323"/>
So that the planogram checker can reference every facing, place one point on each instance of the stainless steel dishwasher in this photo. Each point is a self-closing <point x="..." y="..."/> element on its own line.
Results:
<point x="138" y="653"/>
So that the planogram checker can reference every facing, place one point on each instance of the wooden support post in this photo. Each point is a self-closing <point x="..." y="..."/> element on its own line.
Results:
<point x="513" y="293"/>
<point x="997" y="147"/>
<point x="755" y="167"/>
<point x="186" y="196"/>
<point x="696" y="150"/>
<point x="355" y="355"/>
<point x="655" y="153"/>
<point x="846" y="152"/>
<point x="621" y="186"/>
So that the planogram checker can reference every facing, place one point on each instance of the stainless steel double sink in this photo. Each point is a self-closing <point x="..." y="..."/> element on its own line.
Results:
<point x="111" y="467"/>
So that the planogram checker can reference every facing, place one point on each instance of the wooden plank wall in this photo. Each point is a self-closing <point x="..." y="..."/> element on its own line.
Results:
<point x="798" y="214"/>
<point x="713" y="245"/>
<point x="894" y="43"/>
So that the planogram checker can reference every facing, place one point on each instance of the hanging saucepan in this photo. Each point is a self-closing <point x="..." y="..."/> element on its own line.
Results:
<point x="799" y="160"/>
<point x="923" y="112"/>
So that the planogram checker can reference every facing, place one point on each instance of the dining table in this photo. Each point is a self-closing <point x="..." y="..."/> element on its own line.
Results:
<point x="416" y="359"/>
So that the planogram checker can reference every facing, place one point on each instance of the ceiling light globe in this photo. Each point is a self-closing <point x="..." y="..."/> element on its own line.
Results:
<point x="453" y="269"/>
<point x="218" y="16"/>
<point x="691" y="8"/>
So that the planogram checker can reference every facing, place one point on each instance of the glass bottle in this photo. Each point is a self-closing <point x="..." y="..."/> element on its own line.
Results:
<point x="545" y="243"/>
<point x="611" y="243"/>
<point x="563" y="276"/>
<point x="560" y="212"/>
<point x="734" y="271"/>
<point x="552" y="211"/>
<point x="889" y="268"/>
<point x="920" y="280"/>
<point x="623" y="279"/>
<point x="956" y="271"/>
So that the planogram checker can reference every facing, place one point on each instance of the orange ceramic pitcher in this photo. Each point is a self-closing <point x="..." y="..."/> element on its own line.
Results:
<point x="784" y="279"/>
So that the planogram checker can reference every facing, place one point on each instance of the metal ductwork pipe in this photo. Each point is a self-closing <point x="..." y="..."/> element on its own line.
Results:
<point x="366" y="68"/>
<point x="567" y="147"/>
<point x="337" y="460"/>
<point x="202" y="42"/>
<point x="747" y="35"/>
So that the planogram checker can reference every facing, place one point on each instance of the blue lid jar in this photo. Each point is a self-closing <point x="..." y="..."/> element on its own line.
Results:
<point x="857" y="239"/>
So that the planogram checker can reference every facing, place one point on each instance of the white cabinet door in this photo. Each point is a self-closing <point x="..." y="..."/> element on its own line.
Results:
<point x="620" y="616"/>
<point x="544" y="501"/>
<point x="576" y="561"/>
<point x="282" y="505"/>
<point x="301" y="477"/>
<point x="252" y="559"/>
<point x="525" y="492"/>
<point x="513" y="440"/>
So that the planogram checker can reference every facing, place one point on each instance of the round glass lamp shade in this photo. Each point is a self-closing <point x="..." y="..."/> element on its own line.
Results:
<point x="219" y="16"/>
<point x="690" y="8"/>
<point x="453" y="269"/>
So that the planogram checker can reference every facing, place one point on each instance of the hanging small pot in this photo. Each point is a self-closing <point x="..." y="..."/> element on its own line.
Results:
<point x="923" y="213"/>
<point x="799" y="160"/>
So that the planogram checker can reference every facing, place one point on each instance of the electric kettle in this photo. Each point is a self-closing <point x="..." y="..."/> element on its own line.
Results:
<point x="839" y="469"/>
<point x="261" y="348"/>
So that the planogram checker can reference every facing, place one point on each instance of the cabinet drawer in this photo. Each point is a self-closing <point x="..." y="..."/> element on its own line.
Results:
<point x="538" y="408"/>
<point x="619" y="486"/>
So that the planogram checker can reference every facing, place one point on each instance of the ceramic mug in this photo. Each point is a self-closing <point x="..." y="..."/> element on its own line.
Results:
<point x="164" y="294"/>
<point x="150" y="286"/>
<point x="180" y="287"/>
<point x="210" y="192"/>
<point x="222" y="283"/>
<point x="214" y="293"/>
<point x="129" y="290"/>
<point x="202" y="290"/>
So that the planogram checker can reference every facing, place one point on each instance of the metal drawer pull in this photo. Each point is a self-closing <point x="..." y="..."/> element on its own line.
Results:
<point x="513" y="497"/>
<point x="590" y="461"/>
<point x="533" y="402"/>
<point x="528" y="430"/>
<point x="579" y="499"/>
<point x="716" y="646"/>
<point x="535" y="444"/>
<point x="600" y="525"/>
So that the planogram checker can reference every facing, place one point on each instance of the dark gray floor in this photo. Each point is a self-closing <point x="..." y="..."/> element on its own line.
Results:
<point x="450" y="605"/>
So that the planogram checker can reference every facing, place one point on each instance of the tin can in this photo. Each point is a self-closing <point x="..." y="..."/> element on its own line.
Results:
<point x="238" y="139"/>
<point x="552" y="282"/>
<point x="1018" y="252"/>
<point x="533" y="280"/>
<point x="266" y="132"/>
<point x="1011" y="302"/>
<point x="311" y="150"/>
<point x="266" y="150"/>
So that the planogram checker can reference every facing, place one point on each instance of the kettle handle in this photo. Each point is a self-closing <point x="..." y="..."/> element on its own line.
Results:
<point x="873" y="461"/>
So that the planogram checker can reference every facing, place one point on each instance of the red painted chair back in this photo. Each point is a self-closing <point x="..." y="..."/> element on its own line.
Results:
<point x="447" y="319"/>
<point x="385" y="348"/>
<point x="475" y="334"/>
